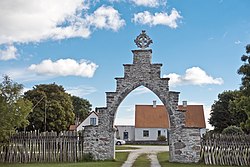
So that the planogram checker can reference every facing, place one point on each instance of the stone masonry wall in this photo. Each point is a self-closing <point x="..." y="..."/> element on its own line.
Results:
<point x="99" y="140"/>
<point x="185" y="145"/>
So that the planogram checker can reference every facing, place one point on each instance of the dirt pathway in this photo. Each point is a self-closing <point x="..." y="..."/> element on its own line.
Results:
<point x="150" y="150"/>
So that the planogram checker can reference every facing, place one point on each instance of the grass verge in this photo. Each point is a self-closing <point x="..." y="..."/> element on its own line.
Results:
<point x="163" y="159"/>
<point x="120" y="159"/>
<point x="124" y="147"/>
<point x="142" y="161"/>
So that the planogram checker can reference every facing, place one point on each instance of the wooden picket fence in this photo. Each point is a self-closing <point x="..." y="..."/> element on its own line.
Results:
<point x="43" y="147"/>
<point x="233" y="150"/>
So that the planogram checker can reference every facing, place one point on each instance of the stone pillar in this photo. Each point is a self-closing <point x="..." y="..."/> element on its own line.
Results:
<point x="142" y="56"/>
<point x="99" y="140"/>
<point x="185" y="145"/>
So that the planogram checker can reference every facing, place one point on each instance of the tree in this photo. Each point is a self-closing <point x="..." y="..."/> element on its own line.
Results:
<point x="14" y="109"/>
<point x="232" y="130"/>
<point x="223" y="115"/>
<point x="82" y="107"/>
<point x="233" y="107"/>
<point x="52" y="108"/>
<point x="244" y="70"/>
<point x="243" y="103"/>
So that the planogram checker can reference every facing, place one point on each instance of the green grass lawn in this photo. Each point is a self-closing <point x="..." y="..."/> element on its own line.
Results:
<point x="142" y="161"/>
<point x="163" y="159"/>
<point x="120" y="159"/>
<point x="124" y="147"/>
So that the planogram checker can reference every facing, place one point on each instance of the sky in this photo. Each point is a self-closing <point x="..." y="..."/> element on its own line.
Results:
<point x="83" y="44"/>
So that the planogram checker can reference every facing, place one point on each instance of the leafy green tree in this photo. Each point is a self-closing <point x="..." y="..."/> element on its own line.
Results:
<point x="244" y="70"/>
<point x="82" y="107"/>
<point x="243" y="103"/>
<point x="222" y="115"/>
<point x="14" y="109"/>
<point x="232" y="130"/>
<point x="233" y="107"/>
<point x="52" y="108"/>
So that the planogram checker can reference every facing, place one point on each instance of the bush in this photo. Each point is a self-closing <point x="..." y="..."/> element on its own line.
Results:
<point x="232" y="130"/>
<point x="88" y="157"/>
<point x="161" y="138"/>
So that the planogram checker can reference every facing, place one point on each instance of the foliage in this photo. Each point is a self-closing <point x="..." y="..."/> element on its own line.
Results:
<point x="88" y="157"/>
<point x="232" y="130"/>
<point x="14" y="109"/>
<point x="223" y="112"/>
<point x="52" y="108"/>
<point x="233" y="107"/>
<point x="243" y="104"/>
<point x="161" y="138"/>
<point x="82" y="107"/>
<point x="244" y="70"/>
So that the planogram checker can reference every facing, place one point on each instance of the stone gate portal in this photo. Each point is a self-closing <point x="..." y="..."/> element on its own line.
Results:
<point x="184" y="144"/>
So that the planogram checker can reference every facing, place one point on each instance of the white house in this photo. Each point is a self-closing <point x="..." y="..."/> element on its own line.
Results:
<point x="92" y="119"/>
<point x="152" y="121"/>
<point x="125" y="132"/>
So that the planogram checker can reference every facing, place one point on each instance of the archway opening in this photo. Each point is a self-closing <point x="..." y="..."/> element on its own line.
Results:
<point x="141" y="117"/>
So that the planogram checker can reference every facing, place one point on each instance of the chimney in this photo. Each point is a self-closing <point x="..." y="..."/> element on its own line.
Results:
<point x="77" y="121"/>
<point x="184" y="103"/>
<point x="154" y="103"/>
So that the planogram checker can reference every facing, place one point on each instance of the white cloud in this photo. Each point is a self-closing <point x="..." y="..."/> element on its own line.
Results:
<point x="125" y="115"/>
<point x="158" y="18"/>
<point x="9" y="53"/>
<point x="237" y="42"/>
<point x="193" y="76"/>
<point x="22" y="75"/>
<point x="141" y="90"/>
<point x="65" y="67"/>
<point x="32" y="21"/>
<point x="81" y="91"/>
<point x="149" y="3"/>
<point x="125" y="121"/>
<point x="107" y="18"/>
<point x="145" y="3"/>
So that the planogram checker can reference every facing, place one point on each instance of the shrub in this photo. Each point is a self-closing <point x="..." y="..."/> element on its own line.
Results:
<point x="232" y="130"/>
<point x="88" y="157"/>
<point x="161" y="138"/>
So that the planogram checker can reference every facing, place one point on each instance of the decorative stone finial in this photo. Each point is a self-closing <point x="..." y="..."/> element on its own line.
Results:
<point x="143" y="41"/>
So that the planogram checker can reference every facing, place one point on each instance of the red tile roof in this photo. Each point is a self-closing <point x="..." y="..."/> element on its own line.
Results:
<point x="147" y="116"/>
<point x="72" y="127"/>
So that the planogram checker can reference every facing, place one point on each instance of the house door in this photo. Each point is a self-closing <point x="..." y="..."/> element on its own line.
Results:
<point x="159" y="133"/>
<point x="125" y="135"/>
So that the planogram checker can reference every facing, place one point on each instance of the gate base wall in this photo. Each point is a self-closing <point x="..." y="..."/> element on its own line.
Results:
<point x="185" y="145"/>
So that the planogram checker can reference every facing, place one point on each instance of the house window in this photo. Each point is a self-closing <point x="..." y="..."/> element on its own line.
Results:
<point x="159" y="132"/>
<point x="92" y="121"/>
<point x="125" y="135"/>
<point x="145" y="133"/>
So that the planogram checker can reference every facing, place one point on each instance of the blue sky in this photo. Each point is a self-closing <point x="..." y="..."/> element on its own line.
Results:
<point x="83" y="44"/>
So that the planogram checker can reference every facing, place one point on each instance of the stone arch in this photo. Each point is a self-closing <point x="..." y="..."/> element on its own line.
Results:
<point x="99" y="140"/>
<point x="119" y="96"/>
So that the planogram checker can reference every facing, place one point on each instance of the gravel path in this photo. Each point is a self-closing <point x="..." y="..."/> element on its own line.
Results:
<point x="150" y="150"/>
